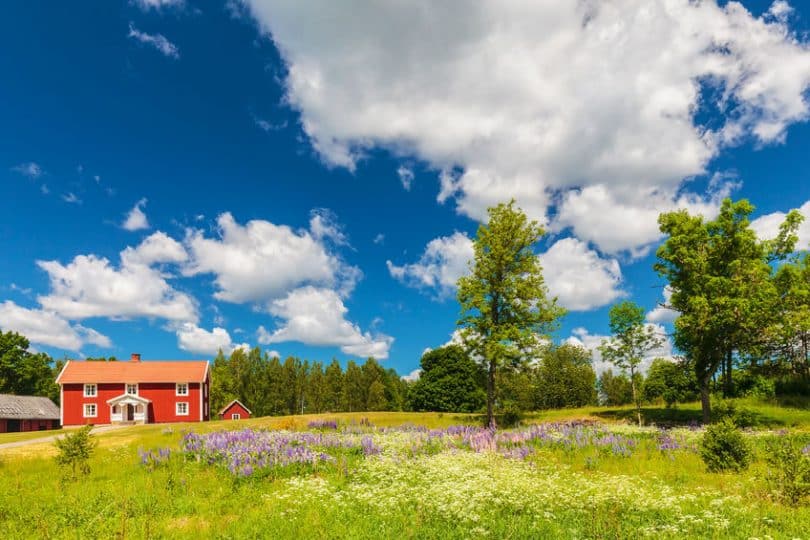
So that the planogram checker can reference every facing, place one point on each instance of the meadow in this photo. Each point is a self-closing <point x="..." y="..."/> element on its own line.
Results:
<point x="580" y="473"/>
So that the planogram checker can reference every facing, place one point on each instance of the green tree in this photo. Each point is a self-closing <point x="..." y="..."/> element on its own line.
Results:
<point x="23" y="372"/>
<point x="615" y="389"/>
<point x="450" y="381"/>
<point x="333" y="400"/>
<point x="674" y="382"/>
<point x="315" y="389"/>
<point x="74" y="452"/>
<point x="504" y="303"/>
<point x="376" y="400"/>
<point x="722" y="287"/>
<point x="630" y="343"/>
<point x="354" y="391"/>
<point x="564" y="378"/>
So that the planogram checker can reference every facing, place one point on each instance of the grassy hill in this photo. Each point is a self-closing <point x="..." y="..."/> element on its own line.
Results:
<point x="563" y="478"/>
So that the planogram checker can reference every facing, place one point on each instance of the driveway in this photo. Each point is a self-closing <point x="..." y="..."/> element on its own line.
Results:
<point x="51" y="438"/>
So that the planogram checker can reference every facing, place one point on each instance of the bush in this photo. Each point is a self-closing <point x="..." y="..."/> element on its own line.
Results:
<point x="740" y="416"/>
<point x="788" y="476"/>
<point x="509" y="416"/>
<point x="724" y="448"/>
<point x="75" y="450"/>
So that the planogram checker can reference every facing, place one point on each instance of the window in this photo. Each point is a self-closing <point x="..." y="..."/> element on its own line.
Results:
<point x="205" y="390"/>
<point x="182" y="409"/>
<point x="181" y="389"/>
<point x="116" y="409"/>
<point x="90" y="390"/>
<point x="236" y="416"/>
<point x="89" y="410"/>
<point x="132" y="389"/>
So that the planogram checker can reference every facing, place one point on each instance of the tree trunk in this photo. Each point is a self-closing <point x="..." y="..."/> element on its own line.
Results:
<point x="491" y="394"/>
<point x="728" y="382"/>
<point x="635" y="395"/>
<point x="704" y="399"/>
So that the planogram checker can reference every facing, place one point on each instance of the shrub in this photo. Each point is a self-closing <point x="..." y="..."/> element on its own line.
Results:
<point x="75" y="450"/>
<point x="724" y="448"/>
<point x="740" y="416"/>
<point x="788" y="476"/>
<point x="510" y="415"/>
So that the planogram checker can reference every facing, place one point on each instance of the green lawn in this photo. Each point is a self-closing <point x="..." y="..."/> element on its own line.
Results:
<point x="27" y="435"/>
<point x="414" y="483"/>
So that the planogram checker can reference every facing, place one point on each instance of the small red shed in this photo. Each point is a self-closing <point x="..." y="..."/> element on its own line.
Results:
<point x="234" y="411"/>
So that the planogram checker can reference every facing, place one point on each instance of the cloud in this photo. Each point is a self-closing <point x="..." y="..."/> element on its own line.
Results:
<point x="379" y="239"/>
<point x="47" y="328"/>
<point x="136" y="218"/>
<point x="661" y="314"/>
<point x="30" y="169"/>
<point x="71" y="198"/>
<point x="444" y="260"/>
<point x="158" y="41"/>
<point x="545" y="101"/>
<point x="583" y="338"/>
<point x="90" y="286"/>
<point x="413" y="376"/>
<point x="767" y="226"/>
<point x="192" y="338"/>
<point x="158" y="5"/>
<point x="317" y="316"/>
<point x="579" y="277"/>
<point x="260" y="261"/>
<point x="406" y="176"/>
<point x="323" y="225"/>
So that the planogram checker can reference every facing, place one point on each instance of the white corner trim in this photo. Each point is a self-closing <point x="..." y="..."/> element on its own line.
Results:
<point x="59" y="377"/>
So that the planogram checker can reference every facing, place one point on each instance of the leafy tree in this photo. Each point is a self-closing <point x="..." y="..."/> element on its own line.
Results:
<point x="376" y="400"/>
<point x="615" y="389"/>
<point x="23" y="372"/>
<point x="450" y="381"/>
<point x="631" y="341"/>
<point x="333" y="400"/>
<point x="565" y="378"/>
<point x="504" y="301"/>
<point x="74" y="452"/>
<point x="672" y="381"/>
<point x="223" y="388"/>
<point x="721" y="283"/>
<point x="790" y="328"/>
<point x="315" y="389"/>
<point x="353" y="389"/>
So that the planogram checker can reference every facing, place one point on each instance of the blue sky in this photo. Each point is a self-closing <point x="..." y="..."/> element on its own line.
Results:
<point x="307" y="178"/>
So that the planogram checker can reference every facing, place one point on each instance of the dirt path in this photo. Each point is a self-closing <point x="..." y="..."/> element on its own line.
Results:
<point x="51" y="438"/>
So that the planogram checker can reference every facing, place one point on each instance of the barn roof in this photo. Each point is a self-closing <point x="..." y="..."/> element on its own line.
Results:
<point x="27" y="408"/>
<point x="231" y="404"/>
<point x="148" y="371"/>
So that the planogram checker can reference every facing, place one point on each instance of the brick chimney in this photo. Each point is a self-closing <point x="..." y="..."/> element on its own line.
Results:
<point x="136" y="357"/>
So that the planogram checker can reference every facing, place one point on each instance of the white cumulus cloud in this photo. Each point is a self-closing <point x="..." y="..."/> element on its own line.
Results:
<point x="48" y="328"/>
<point x="579" y="277"/>
<point x="583" y="338"/>
<point x="317" y="316"/>
<point x="157" y="41"/>
<point x="767" y="226"/>
<point x="444" y="260"/>
<point x="661" y="314"/>
<point x="192" y="338"/>
<point x="136" y="218"/>
<point x="545" y="101"/>
<point x="91" y="286"/>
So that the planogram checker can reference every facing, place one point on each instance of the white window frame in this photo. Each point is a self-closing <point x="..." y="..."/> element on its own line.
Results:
<point x="236" y="416"/>
<point x="88" y="386"/>
<point x="95" y="410"/>
<point x="177" y="408"/>
<point x="177" y="388"/>
<point x="126" y="389"/>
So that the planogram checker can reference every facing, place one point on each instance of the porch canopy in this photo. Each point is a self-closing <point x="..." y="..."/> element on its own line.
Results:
<point x="119" y="404"/>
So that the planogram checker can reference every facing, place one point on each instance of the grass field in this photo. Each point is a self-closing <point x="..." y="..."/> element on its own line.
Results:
<point x="558" y="479"/>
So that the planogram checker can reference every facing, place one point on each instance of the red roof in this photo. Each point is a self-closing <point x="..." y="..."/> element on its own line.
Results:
<point x="148" y="371"/>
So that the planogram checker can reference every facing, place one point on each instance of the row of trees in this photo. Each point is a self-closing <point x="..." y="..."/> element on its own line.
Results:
<point x="23" y="372"/>
<point x="269" y="386"/>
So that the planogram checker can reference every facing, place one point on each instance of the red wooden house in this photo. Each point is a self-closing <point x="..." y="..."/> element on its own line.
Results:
<point x="234" y="411"/>
<point x="134" y="392"/>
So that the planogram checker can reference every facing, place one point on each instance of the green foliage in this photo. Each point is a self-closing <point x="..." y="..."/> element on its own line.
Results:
<point x="450" y="381"/>
<point x="739" y="415"/>
<point x="788" y="459"/>
<point x="632" y="340"/>
<point x="564" y="378"/>
<point x="74" y="452"/>
<point x="615" y="389"/>
<point x="504" y="303"/>
<point x="23" y="372"/>
<point x="724" y="448"/>
<point x="721" y="280"/>
<point x="510" y="415"/>
<point x="674" y="382"/>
